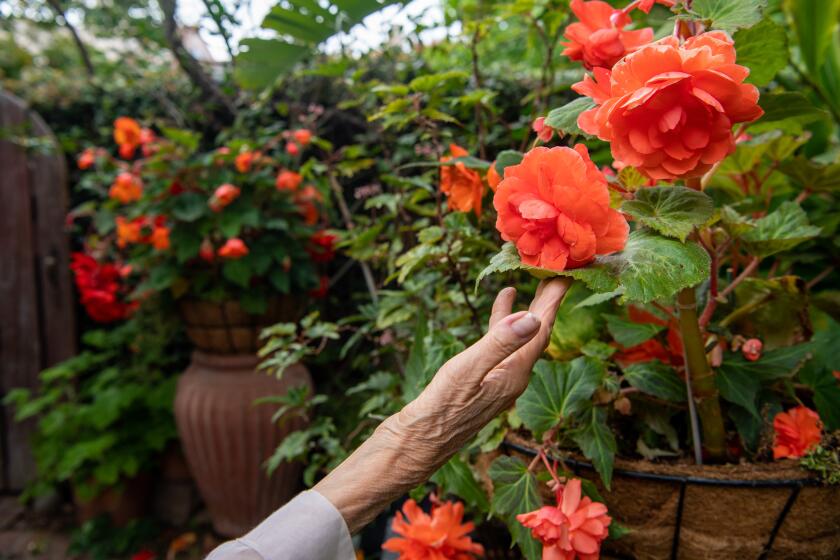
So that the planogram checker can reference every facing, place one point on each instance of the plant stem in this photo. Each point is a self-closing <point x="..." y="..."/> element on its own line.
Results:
<point x="702" y="378"/>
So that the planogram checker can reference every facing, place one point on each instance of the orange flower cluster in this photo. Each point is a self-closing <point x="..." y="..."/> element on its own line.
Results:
<point x="142" y="230"/>
<point x="462" y="186"/>
<point x="223" y="196"/>
<point x="555" y="207"/>
<point x="668" y="108"/>
<point x="234" y="248"/>
<point x="439" y="536"/>
<point x="599" y="39"/>
<point x="574" y="528"/>
<point x="287" y="180"/>
<point x="129" y="135"/>
<point x="244" y="160"/>
<point x="798" y="431"/>
<point x="127" y="187"/>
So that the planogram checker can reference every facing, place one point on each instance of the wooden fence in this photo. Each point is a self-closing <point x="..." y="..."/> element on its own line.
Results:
<point x="37" y="326"/>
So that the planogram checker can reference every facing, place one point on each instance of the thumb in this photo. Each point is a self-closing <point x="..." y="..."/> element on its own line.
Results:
<point x="503" y="339"/>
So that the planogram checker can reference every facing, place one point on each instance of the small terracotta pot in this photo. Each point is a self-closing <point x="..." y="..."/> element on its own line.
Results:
<point x="690" y="512"/>
<point x="225" y="328"/>
<point x="227" y="438"/>
<point x="123" y="502"/>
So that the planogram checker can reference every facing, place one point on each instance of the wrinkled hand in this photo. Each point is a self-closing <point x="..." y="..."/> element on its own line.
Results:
<point x="466" y="393"/>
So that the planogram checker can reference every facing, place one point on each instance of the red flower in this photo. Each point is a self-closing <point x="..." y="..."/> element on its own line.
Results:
<point x="574" y="528"/>
<point x="302" y="136"/>
<point x="292" y="149"/>
<point x="323" y="288"/>
<point x="206" y="251"/>
<point x="287" y="180"/>
<point x="544" y="132"/>
<point x="462" y="186"/>
<point x="322" y="247"/>
<point x="668" y="108"/>
<point x="144" y="555"/>
<point x="798" y="431"/>
<point x="245" y="160"/>
<point x="652" y="349"/>
<point x="599" y="38"/>
<point x="126" y="188"/>
<point x="647" y="5"/>
<point x="555" y="206"/>
<point x="234" y="248"/>
<point x="223" y="196"/>
<point x="99" y="288"/>
<point x="306" y="200"/>
<point x="87" y="158"/>
<point x="751" y="349"/>
<point x="439" y="536"/>
<point x="127" y="136"/>
<point x="159" y="238"/>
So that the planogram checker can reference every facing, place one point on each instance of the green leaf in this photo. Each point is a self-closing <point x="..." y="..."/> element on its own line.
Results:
<point x="596" y="442"/>
<point x="672" y="211"/>
<point x="564" y="119"/>
<point x="789" y="106"/>
<point x="728" y="15"/>
<point x="416" y="368"/>
<point x="456" y="477"/>
<point x="652" y="267"/>
<point x="763" y="49"/>
<point x="812" y="175"/>
<point x="558" y="390"/>
<point x="238" y="272"/>
<point x="739" y="387"/>
<point x="190" y="206"/>
<point x="515" y="492"/>
<point x="814" y="22"/>
<point x="507" y="158"/>
<point x="781" y="230"/>
<point x="627" y="333"/>
<point x="657" y="379"/>
<point x="430" y="82"/>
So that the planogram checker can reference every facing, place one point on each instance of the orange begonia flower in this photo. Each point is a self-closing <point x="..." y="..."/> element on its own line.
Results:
<point x="798" y="431"/>
<point x="544" y="132"/>
<point x="126" y="188"/>
<point x="668" y="108"/>
<point x="127" y="135"/>
<point x="223" y="196"/>
<point x="439" y="536"/>
<point x="159" y="239"/>
<point x="292" y="148"/>
<point x="555" y="206"/>
<point x="493" y="177"/>
<point x="647" y="5"/>
<point x="234" y="248"/>
<point x="129" y="231"/>
<point x="87" y="158"/>
<point x="302" y="136"/>
<point x="287" y="180"/>
<point x="574" y="528"/>
<point x="306" y="200"/>
<point x="245" y="160"/>
<point x="652" y="349"/>
<point x="751" y="349"/>
<point x="599" y="38"/>
<point x="462" y="186"/>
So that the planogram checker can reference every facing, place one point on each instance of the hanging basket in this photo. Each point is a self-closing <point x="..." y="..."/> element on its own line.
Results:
<point x="689" y="512"/>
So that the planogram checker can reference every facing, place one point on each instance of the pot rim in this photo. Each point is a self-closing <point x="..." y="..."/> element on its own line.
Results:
<point x="677" y="473"/>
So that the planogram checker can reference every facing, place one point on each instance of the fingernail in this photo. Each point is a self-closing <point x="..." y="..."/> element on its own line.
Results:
<point x="525" y="325"/>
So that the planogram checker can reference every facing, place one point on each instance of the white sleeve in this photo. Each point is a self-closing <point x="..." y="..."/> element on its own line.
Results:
<point x="307" y="528"/>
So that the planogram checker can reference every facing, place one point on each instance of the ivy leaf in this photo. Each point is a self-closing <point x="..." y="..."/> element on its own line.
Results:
<point x="558" y="390"/>
<point x="596" y="442"/>
<point x="564" y="119"/>
<point x="657" y="379"/>
<point x="653" y="267"/>
<point x="456" y="478"/>
<point x="507" y="158"/>
<point x="782" y="229"/>
<point x="627" y="333"/>
<point x="728" y="15"/>
<point x="763" y="49"/>
<point x="515" y="492"/>
<point x="672" y="211"/>
<point x="597" y="278"/>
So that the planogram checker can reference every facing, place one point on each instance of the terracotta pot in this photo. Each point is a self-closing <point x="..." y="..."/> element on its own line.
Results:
<point x="227" y="439"/>
<point x="687" y="512"/>
<point x="123" y="502"/>
<point x="225" y="328"/>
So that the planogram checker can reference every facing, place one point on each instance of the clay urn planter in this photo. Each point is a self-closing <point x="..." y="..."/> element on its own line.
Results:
<point x="722" y="512"/>
<point x="226" y="437"/>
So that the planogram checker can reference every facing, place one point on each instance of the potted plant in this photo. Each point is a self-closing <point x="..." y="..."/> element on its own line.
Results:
<point x="104" y="417"/>
<point x="233" y="236"/>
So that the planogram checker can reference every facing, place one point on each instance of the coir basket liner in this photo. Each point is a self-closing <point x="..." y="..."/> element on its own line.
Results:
<point x="688" y="512"/>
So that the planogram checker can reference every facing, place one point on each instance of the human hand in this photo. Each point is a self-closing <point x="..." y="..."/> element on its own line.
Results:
<point x="466" y="393"/>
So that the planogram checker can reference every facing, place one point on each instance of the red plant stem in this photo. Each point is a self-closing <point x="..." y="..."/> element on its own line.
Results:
<point x="820" y="277"/>
<point x="747" y="272"/>
<point x="802" y="196"/>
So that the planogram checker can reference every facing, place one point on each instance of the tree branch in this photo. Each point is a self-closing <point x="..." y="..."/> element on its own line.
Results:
<point x="83" y="52"/>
